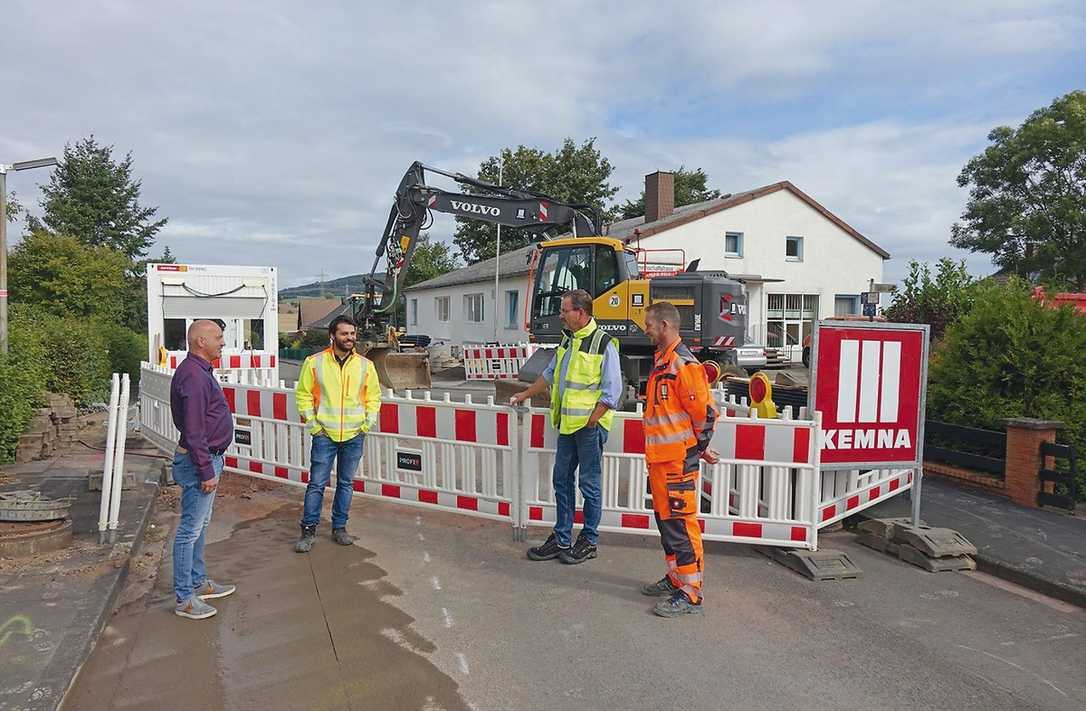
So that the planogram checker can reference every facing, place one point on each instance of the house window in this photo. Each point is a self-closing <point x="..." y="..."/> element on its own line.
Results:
<point x="733" y="244"/>
<point x="793" y="249"/>
<point x="441" y="307"/>
<point x="790" y="318"/>
<point x="846" y="305"/>
<point x="413" y="311"/>
<point x="473" y="307"/>
<point x="512" y="301"/>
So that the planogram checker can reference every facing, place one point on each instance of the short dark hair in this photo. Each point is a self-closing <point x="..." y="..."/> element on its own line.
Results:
<point x="665" y="311"/>
<point x="580" y="299"/>
<point x="338" y="321"/>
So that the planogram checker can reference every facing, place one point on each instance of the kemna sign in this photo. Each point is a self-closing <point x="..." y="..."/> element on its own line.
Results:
<point x="868" y="381"/>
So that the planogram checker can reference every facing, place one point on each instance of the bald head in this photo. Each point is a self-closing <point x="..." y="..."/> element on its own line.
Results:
<point x="205" y="339"/>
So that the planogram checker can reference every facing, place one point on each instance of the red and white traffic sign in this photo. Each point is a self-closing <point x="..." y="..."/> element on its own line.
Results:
<point x="868" y="380"/>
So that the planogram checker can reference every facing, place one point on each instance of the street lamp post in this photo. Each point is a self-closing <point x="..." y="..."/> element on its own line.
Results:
<point x="23" y="165"/>
<point x="497" y="265"/>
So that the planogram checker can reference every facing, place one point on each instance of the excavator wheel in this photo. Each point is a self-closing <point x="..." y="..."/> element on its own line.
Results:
<point x="401" y="371"/>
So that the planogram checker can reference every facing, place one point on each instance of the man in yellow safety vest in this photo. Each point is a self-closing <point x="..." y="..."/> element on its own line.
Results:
<point x="339" y="397"/>
<point x="586" y="386"/>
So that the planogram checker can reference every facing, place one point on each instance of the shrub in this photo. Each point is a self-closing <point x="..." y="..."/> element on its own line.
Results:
<point x="125" y="348"/>
<point x="1010" y="356"/>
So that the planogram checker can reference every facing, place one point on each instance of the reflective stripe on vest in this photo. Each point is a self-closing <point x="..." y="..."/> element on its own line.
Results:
<point x="583" y="385"/>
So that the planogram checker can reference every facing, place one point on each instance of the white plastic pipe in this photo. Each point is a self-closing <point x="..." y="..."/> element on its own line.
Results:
<point x="118" y="457"/>
<point x="107" y="467"/>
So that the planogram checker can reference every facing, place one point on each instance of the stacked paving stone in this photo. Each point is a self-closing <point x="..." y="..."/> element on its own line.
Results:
<point x="933" y="549"/>
<point x="53" y="428"/>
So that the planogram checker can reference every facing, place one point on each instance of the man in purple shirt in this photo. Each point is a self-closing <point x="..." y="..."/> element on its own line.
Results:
<point x="203" y="419"/>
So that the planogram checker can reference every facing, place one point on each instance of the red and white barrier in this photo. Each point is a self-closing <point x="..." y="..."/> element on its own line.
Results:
<point x="496" y="362"/>
<point x="496" y="462"/>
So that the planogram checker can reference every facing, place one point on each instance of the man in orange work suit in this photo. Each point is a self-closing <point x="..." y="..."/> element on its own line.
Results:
<point x="679" y="418"/>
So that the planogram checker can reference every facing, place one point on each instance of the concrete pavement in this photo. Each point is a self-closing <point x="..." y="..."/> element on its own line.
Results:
<point x="432" y="610"/>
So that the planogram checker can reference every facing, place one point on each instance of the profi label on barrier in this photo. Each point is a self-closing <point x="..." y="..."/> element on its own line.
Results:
<point x="409" y="460"/>
<point x="869" y="381"/>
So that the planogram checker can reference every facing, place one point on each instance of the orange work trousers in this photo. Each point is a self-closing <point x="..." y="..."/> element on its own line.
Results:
<point x="675" y="503"/>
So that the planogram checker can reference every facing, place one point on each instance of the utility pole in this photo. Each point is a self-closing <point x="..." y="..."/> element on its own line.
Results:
<point x="24" y="165"/>
<point x="321" y="282"/>
<point x="497" y="264"/>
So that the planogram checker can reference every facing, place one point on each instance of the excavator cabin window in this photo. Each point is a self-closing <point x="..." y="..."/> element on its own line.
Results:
<point x="606" y="270"/>
<point x="561" y="270"/>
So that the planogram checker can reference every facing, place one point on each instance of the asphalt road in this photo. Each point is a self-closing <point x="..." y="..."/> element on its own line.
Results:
<point x="432" y="610"/>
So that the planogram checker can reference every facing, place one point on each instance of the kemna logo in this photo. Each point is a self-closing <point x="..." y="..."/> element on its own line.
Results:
<point x="868" y="398"/>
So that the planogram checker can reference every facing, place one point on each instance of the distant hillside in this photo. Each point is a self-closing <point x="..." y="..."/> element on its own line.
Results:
<point x="333" y="288"/>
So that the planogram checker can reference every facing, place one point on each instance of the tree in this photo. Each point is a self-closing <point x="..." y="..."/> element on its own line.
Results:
<point x="690" y="187"/>
<point x="62" y="276"/>
<point x="429" y="260"/>
<point x="1027" y="199"/>
<point x="573" y="174"/>
<point x="937" y="302"/>
<point x="94" y="198"/>
<point x="13" y="208"/>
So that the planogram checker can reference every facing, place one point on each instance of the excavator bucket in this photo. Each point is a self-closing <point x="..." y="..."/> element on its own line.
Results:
<point x="401" y="371"/>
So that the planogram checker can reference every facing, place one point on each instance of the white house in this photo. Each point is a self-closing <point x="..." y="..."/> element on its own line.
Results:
<point x="799" y="262"/>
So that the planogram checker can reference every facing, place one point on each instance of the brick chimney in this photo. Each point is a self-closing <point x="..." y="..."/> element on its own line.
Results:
<point x="659" y="195"/>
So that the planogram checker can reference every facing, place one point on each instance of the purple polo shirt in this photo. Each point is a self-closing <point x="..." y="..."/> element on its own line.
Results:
<point x="200" y="413"/>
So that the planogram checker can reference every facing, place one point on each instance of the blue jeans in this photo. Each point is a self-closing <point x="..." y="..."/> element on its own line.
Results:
<point x="584" y="448"/>
<point x="189" y="572"/>
<point x="346" y="455"/>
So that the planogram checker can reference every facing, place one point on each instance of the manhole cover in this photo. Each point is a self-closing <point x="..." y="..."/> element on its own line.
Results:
<point x="30" y="505"/>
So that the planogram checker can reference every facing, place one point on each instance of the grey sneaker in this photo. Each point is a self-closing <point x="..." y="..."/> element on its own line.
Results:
<point x="340" y="536"/>
<point x="662" y="587"/>
<point x="306" y="540"/>
<point x="210" y="589"/>
<point x="677" y="604"/>
<point x="195" y="609"/>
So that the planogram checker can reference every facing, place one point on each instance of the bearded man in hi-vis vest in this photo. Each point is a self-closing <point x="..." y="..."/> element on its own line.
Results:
<point x="339" y="397"/>
<point x="586" y="386"/>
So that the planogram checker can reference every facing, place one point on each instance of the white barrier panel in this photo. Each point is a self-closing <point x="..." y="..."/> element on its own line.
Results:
<point x="230" y="360"/>
<point x="496" y="462"/>
<point x="496" y="362"/>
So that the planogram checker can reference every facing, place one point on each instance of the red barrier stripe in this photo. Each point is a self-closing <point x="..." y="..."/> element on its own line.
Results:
<point x="427" y="497"/>
<point x="281" y="472"/>
<point x="539" y="423"/>
<point x="578" y="517"/>
<point x="231" y="462"/>
<point x="252" y="402"/>
<point x="874" y="493"/>
<point x="390" y="490"/>
<point x="231" y="399"/>
<point x="305" y="477"/>
<point x="359" y="486"/>
<point x="910" y="478"/>
<point x="635" y="521"/>
<point x="747" y="530"/>
<point x="279" y="406"/>
<point x="853" y="502"/>
<point x="829" y="512"/>
<point x="801" y="440"/>
<point x="464" y="421"/>
<point x="256" y="467"/>
<point x="535" y="513"/>
<point x="426" y="421"/>
<point x="467" y="502"/>
<point x="750" y="442"/>
<point x="701" y="524"/>
<point x="799" y="533"/>
<point x="502" y="426"/>
<point x="390" y="418"/>
<point x="272" y="359"/>
<point x="217" y="363"/>
<point x="894" y="484"/>
<point x="503" y="508"/>
<point x="235" y="361"/>
<point x="633" y="437"/>
<point x="173" y="362"/>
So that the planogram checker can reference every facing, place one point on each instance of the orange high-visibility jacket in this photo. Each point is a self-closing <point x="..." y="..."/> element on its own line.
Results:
<point x="680" y="413"/>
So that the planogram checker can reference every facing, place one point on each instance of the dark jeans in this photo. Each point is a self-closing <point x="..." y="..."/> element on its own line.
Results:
<point x="346" y="455"/>
<point x="584" y="449"/>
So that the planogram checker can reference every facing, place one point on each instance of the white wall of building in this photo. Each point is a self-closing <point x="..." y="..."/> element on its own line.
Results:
<point x="458" y="328"/>
<point x="833" y="262"/>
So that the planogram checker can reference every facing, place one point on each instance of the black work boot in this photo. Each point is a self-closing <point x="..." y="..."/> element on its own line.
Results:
<point x="661" y="588"/>
<point x="340" y="536"/>
<point x="306" y="540"/>
<point x="579" y="552"/>
<point x="548" y="551"/>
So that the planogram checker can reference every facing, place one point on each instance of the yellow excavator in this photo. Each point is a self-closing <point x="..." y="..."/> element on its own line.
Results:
<point x="621" y="279"/>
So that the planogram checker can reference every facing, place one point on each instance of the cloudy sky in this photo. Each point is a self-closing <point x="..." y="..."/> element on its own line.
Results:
<point x="275" y="132"/>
